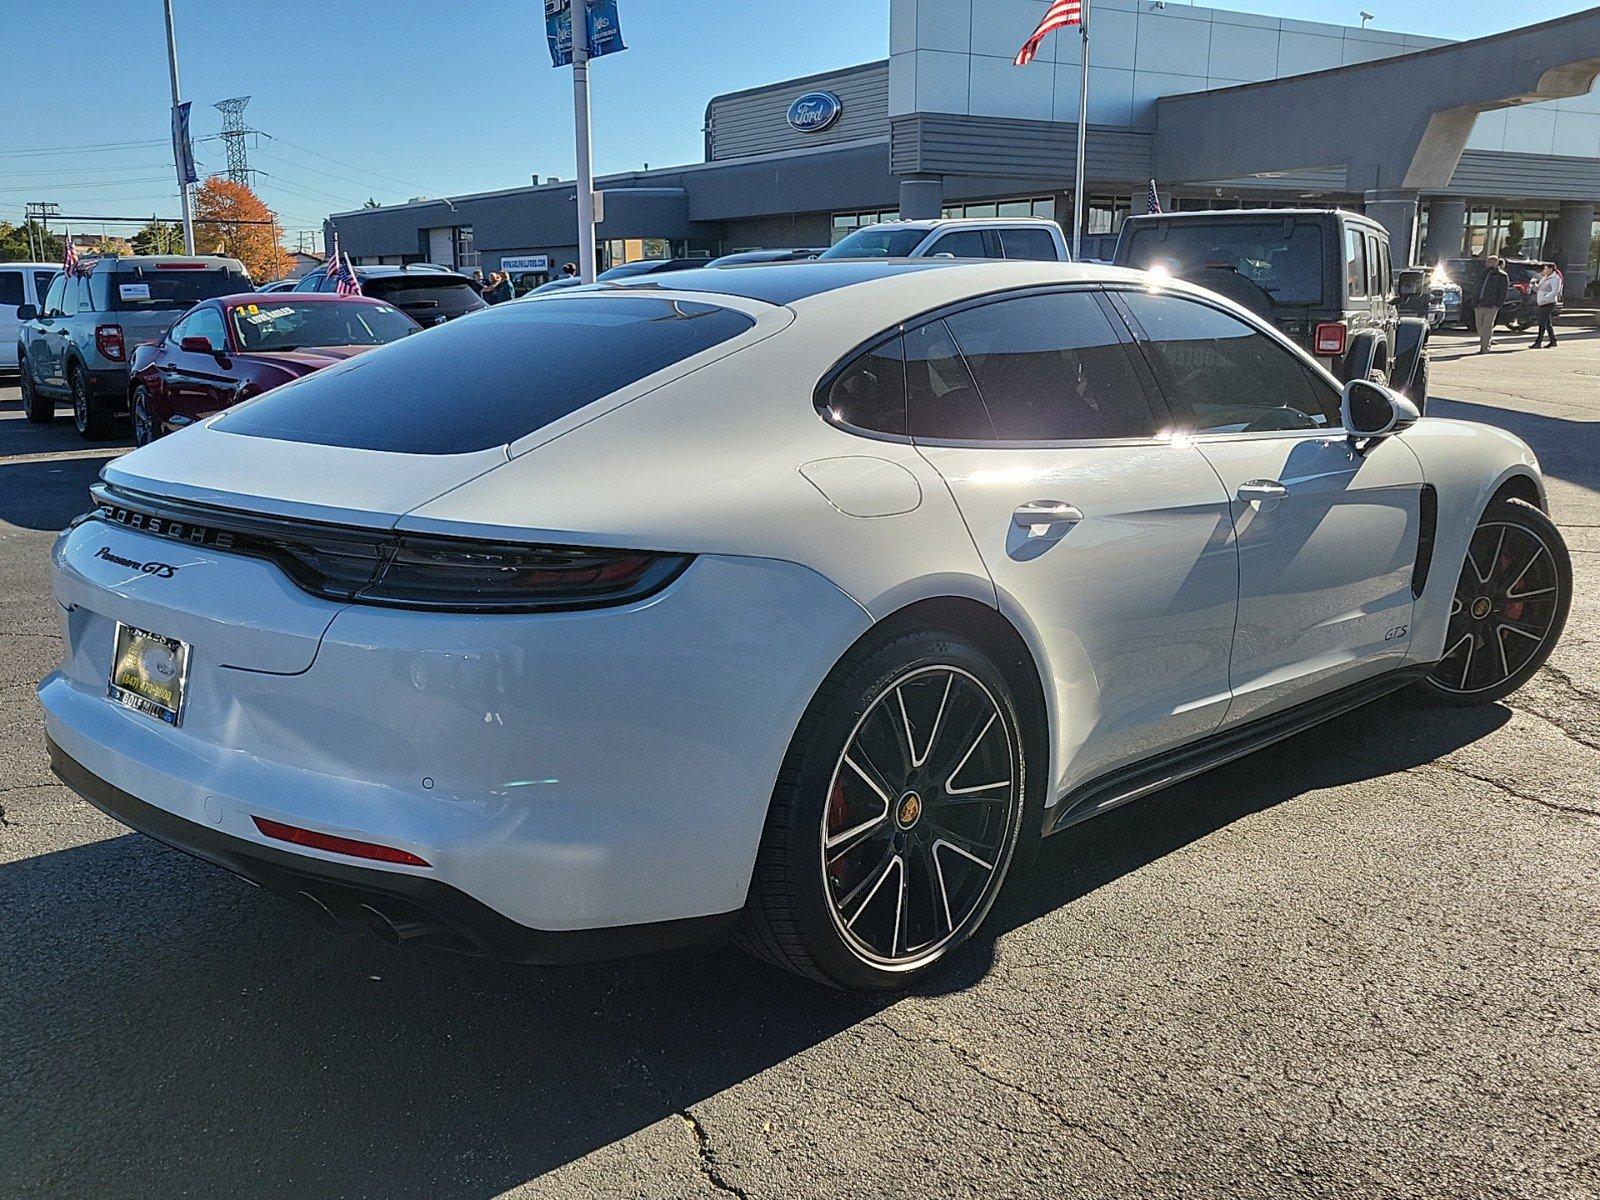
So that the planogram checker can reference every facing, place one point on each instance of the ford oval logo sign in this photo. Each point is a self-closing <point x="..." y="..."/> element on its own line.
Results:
<point x="815" y="111"/>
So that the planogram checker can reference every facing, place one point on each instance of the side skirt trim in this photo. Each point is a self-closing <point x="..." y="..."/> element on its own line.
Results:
<point x="1106" y="792"/>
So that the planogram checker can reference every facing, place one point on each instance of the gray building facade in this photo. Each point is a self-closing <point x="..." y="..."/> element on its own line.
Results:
<point x="1491" y="145"/>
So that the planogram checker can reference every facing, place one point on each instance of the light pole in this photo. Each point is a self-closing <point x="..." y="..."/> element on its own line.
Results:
<point x="580" y="119"/>
<point x="179" y="155"/>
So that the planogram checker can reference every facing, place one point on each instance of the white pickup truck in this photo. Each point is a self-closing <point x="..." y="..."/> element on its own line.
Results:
<point x="966" y="237"/>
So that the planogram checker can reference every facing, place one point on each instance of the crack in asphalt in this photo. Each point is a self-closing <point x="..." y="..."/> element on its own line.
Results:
<point x="1527" y="797"/>
<point x="967" y="1059"/>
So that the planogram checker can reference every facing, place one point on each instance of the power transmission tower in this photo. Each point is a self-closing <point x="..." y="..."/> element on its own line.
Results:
<point x="234" y="132"/>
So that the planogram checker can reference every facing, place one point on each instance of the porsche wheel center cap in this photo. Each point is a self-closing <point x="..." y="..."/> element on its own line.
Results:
<point x="908" y="810"/>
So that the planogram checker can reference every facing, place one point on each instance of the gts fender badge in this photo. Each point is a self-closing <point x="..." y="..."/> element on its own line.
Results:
<point x="160" y="570"/>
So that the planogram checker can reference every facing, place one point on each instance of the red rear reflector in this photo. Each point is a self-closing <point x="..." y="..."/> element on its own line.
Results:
<point x="108" y="340"/>
<point x="1330" y="337"/>
<point x="181" y="266"/>
<point x="336" y="845"/>
<point x="1520" y="288"/>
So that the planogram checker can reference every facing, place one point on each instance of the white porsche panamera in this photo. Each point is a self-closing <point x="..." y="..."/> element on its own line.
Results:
<point x="786" y="601"/>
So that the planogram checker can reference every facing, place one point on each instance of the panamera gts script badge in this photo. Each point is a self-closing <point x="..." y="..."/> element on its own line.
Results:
<point x="160" y="570"/>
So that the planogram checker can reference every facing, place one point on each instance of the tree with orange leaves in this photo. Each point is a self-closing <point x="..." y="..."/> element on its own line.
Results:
<point x="220" y="207"/>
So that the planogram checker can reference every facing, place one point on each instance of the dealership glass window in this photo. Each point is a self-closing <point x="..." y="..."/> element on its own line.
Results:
<point x="1025" y="206"/>
<point x="1229" y="377"/>
<point x="844" y="224"/>
<point x="616" y="251"/>
<point x="467" y="258"/>
<point x="1050" y="368"/>
<point x="1105" y="214"/>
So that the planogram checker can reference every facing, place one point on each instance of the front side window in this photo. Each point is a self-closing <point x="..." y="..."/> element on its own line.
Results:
<point x="310" y="283"/>
<point x="490" y="379"/>
<point x="1223" y="376"/>
<point x="52" y="300"/>
<point x="870" y="393"/>
<point x="1050" y="368"/>
<point x="966" y="243"/>
<point x="296" y="324"/>
<point x="207" y="323"/>
<point x="73" y="295"/>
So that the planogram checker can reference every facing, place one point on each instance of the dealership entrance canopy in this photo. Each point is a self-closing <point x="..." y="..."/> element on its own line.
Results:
<point x="1458" y="148"/>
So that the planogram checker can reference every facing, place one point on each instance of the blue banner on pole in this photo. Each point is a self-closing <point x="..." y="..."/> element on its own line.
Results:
<point x="605" y="31"/>
<point x="182" y="147"/>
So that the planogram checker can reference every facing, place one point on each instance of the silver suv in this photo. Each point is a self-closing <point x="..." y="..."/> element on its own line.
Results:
<point x="957" y="237"/>
<point x="77" y="343"/>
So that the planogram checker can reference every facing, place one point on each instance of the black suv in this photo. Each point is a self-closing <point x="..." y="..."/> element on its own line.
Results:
<point x="1322" y="276"/>
<point x="1520" y="309"/>
<point x="428" y="294"/>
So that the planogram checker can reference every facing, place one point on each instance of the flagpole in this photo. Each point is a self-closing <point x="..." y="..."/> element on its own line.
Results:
<point x="1083" y="134"/>
<point x="580" y="119"/>
<point x="177" y="154"/>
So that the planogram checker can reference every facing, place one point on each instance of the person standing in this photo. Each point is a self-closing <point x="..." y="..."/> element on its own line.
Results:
<point x="500" y="289"/>
<point x="1492" y="293"/>
<point x="1547" y="294"/>
<point x="480" y="285"/>
<point x="569" y="270"/>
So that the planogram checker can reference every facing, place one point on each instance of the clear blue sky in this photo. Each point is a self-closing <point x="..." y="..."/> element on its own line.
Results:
<point x="428" y="97"/>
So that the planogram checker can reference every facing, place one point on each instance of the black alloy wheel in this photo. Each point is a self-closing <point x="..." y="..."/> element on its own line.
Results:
<point x="896" y="817"/>
<point x="145" y="430"/>
<point x="1509" y="608"/>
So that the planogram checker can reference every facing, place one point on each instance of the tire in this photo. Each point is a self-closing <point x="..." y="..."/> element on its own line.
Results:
<point x="40" y="410"/>
<point x="89" y="412"/>
<point x="1505" y="621"/>
<point x="1417" y="393"/>
<point x="145" y="428"/>
<point x="854" y="810"/>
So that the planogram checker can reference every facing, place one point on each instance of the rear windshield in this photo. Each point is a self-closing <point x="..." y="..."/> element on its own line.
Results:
<point x="296" y="324"/>
<point x="423" y="297"/>
<point x="489" y="379"/>
<point x="875" y="242"/>
<point x="1282" y="258"/>
<point x="149" y="288"/>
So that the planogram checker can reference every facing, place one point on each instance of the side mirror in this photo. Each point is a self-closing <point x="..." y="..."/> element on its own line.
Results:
<point x="1370" y="410"/>
<point x="197" y="345"/>
<point x="27" y="312"/>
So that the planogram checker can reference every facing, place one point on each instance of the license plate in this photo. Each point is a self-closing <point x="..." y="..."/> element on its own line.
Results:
<point x="148" y="673"/>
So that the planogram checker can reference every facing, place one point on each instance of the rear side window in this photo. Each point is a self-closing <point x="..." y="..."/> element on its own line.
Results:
<point x="490" y="379"/>
<point x="148" y="289"/>
<point x="870" y="393"/>
<point x="942" y="401"/>
<point x="11" y="288"/>
<point x="1355" y="263"/>
<point x="1224" y="376"/>
<point x="1050" y="368"/>
<point x="1034" y="244"/>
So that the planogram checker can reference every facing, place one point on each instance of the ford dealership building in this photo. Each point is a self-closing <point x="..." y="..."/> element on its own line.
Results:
<point x="1452" y="146"/>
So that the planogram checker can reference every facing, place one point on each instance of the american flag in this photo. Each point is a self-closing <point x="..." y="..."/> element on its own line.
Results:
<point x="69" y="260"/>
<point x="1060" y="14"/>
<point x="343" y="274"/>
<point x="1154" y="203"/>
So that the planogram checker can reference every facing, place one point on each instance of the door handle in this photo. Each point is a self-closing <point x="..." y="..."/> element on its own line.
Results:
<point x="1045" y="512"/>
<point x="1262" y="489"/>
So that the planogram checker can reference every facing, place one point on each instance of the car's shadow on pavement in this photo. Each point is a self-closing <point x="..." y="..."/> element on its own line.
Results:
<point x="1566" y="447"/>
<point x="46" y="494"/>
<point x="166" y="1030"/>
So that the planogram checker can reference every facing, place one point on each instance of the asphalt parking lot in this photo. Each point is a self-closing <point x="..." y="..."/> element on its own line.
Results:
<point x="1364" y="963"/>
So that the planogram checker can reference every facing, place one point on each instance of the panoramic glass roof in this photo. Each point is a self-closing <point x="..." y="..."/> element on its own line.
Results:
<point x="781" y="283"/>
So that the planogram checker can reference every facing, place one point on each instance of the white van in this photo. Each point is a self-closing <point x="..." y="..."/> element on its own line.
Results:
<point x="20" y="283"/>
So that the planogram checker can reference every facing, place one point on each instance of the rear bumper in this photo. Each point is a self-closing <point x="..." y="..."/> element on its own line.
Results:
<point x="407" y="908"/>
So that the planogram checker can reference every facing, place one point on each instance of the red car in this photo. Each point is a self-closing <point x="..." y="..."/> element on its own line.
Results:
<point x="226" y="350"/>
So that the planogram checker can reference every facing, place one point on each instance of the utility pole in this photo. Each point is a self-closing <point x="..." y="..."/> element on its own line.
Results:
<point x="178" y="152"/>
<point x="580" y="117"/>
